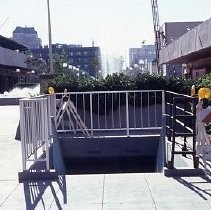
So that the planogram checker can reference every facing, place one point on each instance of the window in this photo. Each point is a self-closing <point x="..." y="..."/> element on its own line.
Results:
<point x="71" y="60"/>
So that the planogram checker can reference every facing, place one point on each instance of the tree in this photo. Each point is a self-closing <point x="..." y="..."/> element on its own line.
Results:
<point x="58" y="63"/>
<point x="36" y="64"/>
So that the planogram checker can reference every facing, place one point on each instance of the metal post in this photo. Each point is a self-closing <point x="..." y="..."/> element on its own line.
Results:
<point x="50" y="40"/>
<point x="22" y="126"/>
<point x="47" y="143"/>
<point x="163" y="102"/>
<point x="91" y="115"/>
<point x="127" y="115"/>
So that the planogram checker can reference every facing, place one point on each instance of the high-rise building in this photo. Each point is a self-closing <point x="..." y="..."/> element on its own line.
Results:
<point x="27" y="36"/>
<point x="142" y="57"/>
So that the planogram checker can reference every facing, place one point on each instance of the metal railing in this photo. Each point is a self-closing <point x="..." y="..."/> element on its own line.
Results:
<point x="181" y="122"/>
<point x="102" y="113"/>
<point x="115" y="112"/>
<point x="35" y="129"/>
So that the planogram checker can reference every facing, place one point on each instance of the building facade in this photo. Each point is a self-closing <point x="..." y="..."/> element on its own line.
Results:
<point x="87" y="59"/>
<point x="192" y="50"/>
<point x="27" y="36"/>
<point x="142" y="57"/>
<point x="171" y="31"/>
<point x="13" y="68"/>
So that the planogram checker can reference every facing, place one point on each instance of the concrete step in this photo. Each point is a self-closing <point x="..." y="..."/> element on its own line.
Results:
<point x="37" y="176"/>
<point x="182" y="172"/>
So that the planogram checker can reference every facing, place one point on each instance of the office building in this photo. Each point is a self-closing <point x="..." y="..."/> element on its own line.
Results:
<point x="88" y="59"/>
<point x="13" y="67"/>
<point x="142" y="57"/>
<point x="27" y="36"/>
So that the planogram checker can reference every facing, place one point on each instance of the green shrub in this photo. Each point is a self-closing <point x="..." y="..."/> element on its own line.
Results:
<point x="62" y="82"/>
<point x="118" y="82"/>
<point x="204" y="81"/>
<point x="121" y="82"/>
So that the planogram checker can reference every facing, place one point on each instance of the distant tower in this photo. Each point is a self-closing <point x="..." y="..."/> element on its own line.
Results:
<point x="93" y="43"/>
<point x="107" y="65"/>
<point x="27" y="36"/>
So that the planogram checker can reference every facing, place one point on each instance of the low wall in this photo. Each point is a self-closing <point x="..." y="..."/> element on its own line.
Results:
<point x="109" y="154"/>
<point x="5" y="101"/>
<point x="109" y="147"/>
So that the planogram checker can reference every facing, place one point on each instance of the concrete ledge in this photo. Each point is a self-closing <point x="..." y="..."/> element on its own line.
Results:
<point x="37" y="176"/>
<point x="182" y="172"/>
<point x="5" y="101"/>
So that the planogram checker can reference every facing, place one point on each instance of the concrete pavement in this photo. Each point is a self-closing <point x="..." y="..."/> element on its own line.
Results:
<point x="92" y="192"/>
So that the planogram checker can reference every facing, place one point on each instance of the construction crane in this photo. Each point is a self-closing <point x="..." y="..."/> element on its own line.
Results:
<point x="157" y="32"/>
<point x="4" y="23"/>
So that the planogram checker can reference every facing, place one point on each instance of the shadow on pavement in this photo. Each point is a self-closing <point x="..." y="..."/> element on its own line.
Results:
<point x="193" y="186"/>
<point x="34" y="191"/>
<point x="18" y="135"/>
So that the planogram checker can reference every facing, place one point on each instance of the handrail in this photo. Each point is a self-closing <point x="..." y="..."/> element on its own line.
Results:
<point x="35" y="130"/>
<point x="112" y="110"/>
<point x="116" y="91"/>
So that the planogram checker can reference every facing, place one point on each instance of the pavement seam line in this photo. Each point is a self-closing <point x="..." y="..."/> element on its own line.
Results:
<point x="150" y="192"/>
<point x="10" y="194"/>
<point x="53" y="200"/>
<point x="103" y="190"/>
<point x="7" y="180"/>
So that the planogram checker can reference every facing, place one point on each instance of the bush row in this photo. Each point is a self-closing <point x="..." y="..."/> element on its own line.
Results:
<point x="123" y="82"/>
<point x="143" y="81"/>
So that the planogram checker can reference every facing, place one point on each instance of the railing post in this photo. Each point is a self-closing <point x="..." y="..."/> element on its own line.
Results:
<point x="47" y="143"/>
<point x="127" y="115"/>
<point x="23" y="144"/>
<point x="53" y="105"/>
<point x="46" y="129"/>
<point x="163" y="103"/>
<point x="91" y="115"/>
<point x="33" y="107"/>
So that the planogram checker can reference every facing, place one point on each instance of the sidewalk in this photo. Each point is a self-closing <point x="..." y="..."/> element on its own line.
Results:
<point x="92" y="192"/>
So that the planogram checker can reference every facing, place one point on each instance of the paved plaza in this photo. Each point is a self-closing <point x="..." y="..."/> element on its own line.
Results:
<point x="135" y="191"/>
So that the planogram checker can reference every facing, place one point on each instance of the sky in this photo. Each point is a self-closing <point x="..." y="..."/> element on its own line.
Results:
<point x="114" y="25"/>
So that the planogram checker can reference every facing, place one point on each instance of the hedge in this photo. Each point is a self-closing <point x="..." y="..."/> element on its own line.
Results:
<point x="121" y="81"/>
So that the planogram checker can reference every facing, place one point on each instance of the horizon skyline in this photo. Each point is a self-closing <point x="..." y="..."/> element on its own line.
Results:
<point x="114" y="25"/>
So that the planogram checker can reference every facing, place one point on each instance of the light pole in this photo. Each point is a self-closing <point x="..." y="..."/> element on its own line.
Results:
<point x="18" y="72"/>
<point x="64" y="65"/>
<point x="50" y="40"/>
<point x="141" y="63"/>
<point x="32" y="73"/>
